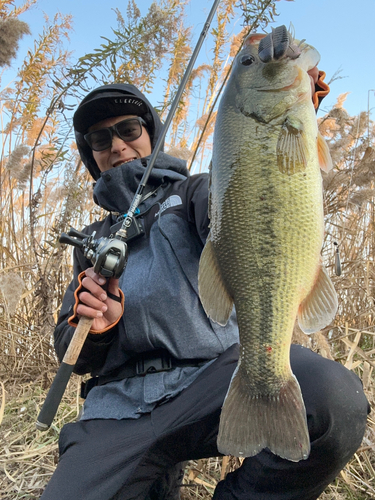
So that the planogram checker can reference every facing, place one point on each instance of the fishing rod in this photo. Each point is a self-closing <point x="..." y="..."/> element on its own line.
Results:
<point x="109" y="255"/>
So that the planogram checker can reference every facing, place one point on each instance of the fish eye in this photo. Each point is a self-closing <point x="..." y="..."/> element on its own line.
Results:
<point x="247" y="60"/>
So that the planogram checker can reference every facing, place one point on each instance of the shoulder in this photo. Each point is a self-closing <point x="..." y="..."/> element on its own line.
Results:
<point x="197" y="183"/>
<point x="199" y="179"/>
<point x="189" y="187"/>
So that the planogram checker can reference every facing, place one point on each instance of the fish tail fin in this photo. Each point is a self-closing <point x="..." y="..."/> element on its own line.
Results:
<point x="251" y="422"/>
<point x="212" y="291"/>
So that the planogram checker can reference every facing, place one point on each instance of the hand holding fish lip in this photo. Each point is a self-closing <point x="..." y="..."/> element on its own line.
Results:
<point x="314" y="77"/>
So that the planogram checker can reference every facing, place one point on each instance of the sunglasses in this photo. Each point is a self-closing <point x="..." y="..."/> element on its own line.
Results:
<point x="128" y="130"/>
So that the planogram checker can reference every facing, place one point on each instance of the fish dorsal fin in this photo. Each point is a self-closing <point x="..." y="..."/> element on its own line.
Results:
<point x="215" y="299"/>
<point x="291" y="149"/>
<point x="320" y="306"/>
<point x="325" y="160"/>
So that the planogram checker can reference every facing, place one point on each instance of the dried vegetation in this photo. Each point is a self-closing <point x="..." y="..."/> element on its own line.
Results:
<point x="44" y="189"/>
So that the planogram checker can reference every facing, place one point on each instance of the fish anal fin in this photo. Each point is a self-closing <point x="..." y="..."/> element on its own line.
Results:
<point x="291" y="148"/>
<point x="251" y="422"/>
<point x="212" y="291"/>
<point x="325" y="160"/>
<point x="319" y="307"/>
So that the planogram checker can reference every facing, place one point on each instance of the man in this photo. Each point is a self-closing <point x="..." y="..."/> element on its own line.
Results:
<point x="160" y="367"/>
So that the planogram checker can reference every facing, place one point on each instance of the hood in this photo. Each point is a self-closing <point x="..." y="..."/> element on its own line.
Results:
<point x="114" y="191"/>
<point x="112" y="100"/>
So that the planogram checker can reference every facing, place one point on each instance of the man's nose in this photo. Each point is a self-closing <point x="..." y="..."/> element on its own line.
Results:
<point x="117" y="143"/>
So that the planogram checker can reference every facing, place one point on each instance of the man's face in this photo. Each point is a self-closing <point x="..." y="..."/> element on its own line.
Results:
<point x="120" y="152"/>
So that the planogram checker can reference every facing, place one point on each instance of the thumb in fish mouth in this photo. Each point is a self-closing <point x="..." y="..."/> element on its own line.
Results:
<point x="314" y="77"/>
<point x="276" y="45"/>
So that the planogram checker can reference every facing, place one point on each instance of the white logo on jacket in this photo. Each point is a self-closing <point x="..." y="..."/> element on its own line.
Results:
<point x="172" y="201"/>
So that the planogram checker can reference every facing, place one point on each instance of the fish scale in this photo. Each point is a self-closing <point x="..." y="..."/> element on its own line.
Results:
<point x="263" y="250"/>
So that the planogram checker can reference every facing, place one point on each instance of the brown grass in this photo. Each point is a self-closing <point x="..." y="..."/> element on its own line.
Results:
<point x="28" y="457"/>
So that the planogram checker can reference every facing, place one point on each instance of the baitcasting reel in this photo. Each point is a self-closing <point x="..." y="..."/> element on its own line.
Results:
<point x="108" y="255"/>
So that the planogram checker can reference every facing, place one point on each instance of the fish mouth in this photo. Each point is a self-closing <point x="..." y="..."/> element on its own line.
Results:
<point x="279" y="89"/>
<point x="286" y="87"/>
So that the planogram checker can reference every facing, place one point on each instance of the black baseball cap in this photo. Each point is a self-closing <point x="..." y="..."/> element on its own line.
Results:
<point x="105" y="104"/>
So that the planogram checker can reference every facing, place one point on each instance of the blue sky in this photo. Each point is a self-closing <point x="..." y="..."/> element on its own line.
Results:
<point x="342" y="31"/>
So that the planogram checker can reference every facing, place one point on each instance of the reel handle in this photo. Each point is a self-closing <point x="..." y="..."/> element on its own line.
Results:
<point x="64" y="238"/>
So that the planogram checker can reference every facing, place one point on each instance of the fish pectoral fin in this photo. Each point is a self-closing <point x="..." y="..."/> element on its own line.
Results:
<point x="320" y="306"/>
<point x="213" y="294"/>
<point x="251" y="422"/>
<point x="325" y="160"/>
<point x="291" y="148"/>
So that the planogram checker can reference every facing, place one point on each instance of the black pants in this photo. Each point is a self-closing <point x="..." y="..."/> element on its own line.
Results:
<point x="123" y="459"/>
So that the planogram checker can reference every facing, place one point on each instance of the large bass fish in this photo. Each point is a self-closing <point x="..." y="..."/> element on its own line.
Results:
<point x="266" y="234"/>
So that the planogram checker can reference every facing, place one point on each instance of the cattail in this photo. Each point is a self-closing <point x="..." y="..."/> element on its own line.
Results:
<point x="14" y="164"/>
<point x="11" y="286"/>
<point x="362" y="196"/>
<point x="11" y="30"/>
<point x="182" y="153"/>
<point x="24" y="175"/>
<point x="341" y="99"/>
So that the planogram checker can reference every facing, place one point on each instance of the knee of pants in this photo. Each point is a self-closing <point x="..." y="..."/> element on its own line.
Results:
<point x="336" y="405"/>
